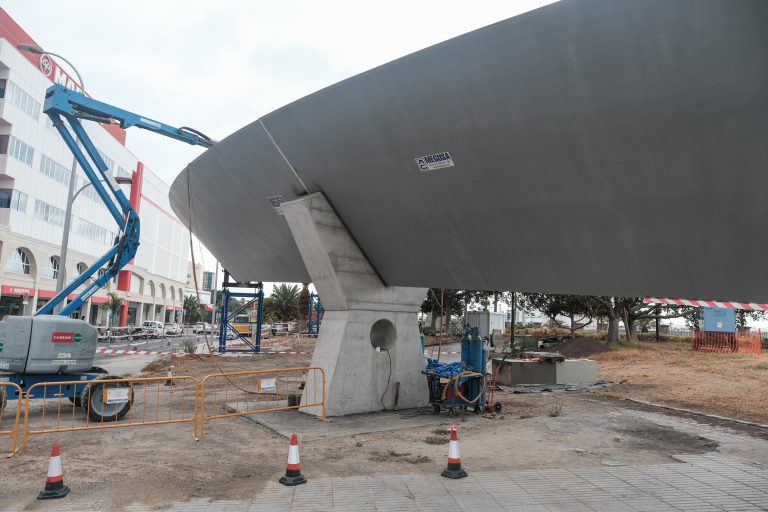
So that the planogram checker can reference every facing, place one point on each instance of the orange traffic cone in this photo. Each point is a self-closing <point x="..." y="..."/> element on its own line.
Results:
<point x="454" y="458"/>
<point x="54" y="484"/>
<point x="293" y="474"/>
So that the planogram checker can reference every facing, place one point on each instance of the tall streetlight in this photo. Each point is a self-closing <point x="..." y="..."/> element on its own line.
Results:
<point x="33" y="48"/>
<point x="67" y="220"/>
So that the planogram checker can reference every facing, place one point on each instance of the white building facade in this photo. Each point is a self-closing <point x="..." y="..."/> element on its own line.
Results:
<point x="35" y="171"/>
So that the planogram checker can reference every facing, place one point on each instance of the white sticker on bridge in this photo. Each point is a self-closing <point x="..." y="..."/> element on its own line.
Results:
<point x="436" y="161"/>
<point x="117" y="395"/>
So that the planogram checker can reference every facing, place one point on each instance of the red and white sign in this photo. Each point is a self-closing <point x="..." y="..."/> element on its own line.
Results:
<point x="749" y="306"/>
<point x="17" y="290"/>
<point x="63" y="337"/>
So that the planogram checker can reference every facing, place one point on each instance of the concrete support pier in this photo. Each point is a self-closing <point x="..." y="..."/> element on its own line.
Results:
<point x="369" y="339"/>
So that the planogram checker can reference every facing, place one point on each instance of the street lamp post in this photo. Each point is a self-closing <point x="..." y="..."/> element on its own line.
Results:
<point x="33" y="48"/>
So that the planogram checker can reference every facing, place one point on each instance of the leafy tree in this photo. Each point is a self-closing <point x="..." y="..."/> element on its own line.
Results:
<point x="580" y="309"/>
<point x="285" y="302"/>
<point x="453" y="301"/>
<point x="113" y="305"/>
<point x="303" y="306"/>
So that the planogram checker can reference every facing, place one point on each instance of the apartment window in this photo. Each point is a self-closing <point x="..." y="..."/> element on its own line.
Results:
<point x="48" y="213"/>
<point x="110" y="163"/>
<point x="19" y="201"/>
<point x="92" y="231"/>
<point x="5" y="198"/>
<point x="80" y="268"/>
<point x="18" y="263"/>
<point x="89" y="191"/>
<point x="19" y="97"/>
<point x="4" y="139"/>
<point x="3" y="84"/>
<point x="51" y="270"/>
<point x="54" y="170"/>
<point x="21" y="151"/>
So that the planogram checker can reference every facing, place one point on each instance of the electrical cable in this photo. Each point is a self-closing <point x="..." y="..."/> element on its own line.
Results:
<point x="386" y="388"/>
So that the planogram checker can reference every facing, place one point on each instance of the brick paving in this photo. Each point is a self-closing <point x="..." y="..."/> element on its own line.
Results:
<point x="699" y="483"/>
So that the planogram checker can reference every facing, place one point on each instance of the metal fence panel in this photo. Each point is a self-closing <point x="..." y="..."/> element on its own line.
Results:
<point x="10" y="412"/>
<point x="150" y="401"/>
<point x="225" y="395"/>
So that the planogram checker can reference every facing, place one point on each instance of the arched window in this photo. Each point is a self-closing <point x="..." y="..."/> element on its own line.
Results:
<point x="150" y="289"/>
<point x="18" y="263"/>
<point x="162" y="291"/>
<point x="80" y="268"/>
<point x="173" y="293"/>
<point x="51" y="270"/>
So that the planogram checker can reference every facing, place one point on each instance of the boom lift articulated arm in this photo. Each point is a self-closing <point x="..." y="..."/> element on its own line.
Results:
<point x="64" y="104"/>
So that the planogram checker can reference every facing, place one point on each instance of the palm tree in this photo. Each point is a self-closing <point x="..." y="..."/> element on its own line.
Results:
<point x="191" y="309"/>
<point x="113" y="305"/>
<point x="285" y="301"/>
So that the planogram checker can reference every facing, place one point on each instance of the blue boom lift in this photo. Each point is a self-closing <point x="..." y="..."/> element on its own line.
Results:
<point x="46" y="348"/>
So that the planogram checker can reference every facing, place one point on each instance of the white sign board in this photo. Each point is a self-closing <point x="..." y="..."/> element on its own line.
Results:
<point x="436" y="161"/>
<point x="117" y="395"/>
<point x="268" y="384"/>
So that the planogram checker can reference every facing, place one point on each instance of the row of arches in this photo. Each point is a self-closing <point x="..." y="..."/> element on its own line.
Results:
<point x="21" y="260"/>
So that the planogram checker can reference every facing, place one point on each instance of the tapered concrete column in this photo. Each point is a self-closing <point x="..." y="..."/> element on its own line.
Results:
<point x="360" y="314"/>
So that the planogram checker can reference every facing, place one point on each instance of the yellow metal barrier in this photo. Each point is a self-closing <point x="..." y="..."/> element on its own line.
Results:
<point x="7" y="391"/>
<point x="112" y="403"/>
<point x="258" y="391"/>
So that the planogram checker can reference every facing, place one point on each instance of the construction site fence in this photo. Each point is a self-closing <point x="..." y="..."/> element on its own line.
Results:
<point x="748" y="342"/>
<point x="10" y="412"/>
<point x="110" y="403"/>
<point x="232" y="394"/>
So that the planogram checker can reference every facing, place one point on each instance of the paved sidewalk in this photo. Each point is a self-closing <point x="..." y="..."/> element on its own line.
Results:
<point x="699" y="483"/>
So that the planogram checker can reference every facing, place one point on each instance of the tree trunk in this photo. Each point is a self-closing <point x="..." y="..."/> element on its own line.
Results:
<point x="447" y="321"/>
<point x="630" y="328"/>
<point x="613" y="328"/>
<point x="573" y="328"/>
<point x="433" y="322"/>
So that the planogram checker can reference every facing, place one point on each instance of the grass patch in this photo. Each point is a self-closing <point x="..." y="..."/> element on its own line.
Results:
<point x="436" y="440"/>
<point x="556" y="410"/>
<point x="441" y="432"/>
<point x="761" y="366"/>
<point x="157" y="365"/>
<point x="524" y="416"/>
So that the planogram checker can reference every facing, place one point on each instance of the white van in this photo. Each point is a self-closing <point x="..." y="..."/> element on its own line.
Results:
<point x="153" y="329"/>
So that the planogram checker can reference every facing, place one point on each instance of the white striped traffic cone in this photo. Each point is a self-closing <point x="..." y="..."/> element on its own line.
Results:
<point x="293" y="474"/>
<point x="54" y="484"/>
<point x="454" y="458"/>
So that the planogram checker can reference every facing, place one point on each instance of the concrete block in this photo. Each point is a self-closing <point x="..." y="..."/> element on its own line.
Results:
<point x="570" y="371"/>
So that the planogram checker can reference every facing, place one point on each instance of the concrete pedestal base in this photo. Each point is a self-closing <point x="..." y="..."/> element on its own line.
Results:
<point x="369" y="338"/>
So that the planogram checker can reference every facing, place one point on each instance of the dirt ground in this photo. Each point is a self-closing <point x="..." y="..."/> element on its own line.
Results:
<point x="732" y="385"/>
<point x="157" y="465"/>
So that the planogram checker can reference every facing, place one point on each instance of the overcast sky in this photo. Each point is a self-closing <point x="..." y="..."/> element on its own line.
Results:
<point x="218" y="65"/>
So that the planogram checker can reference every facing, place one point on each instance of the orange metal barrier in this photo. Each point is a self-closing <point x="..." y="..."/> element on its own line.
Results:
<point x="233" y="394"/>
<point x="112" y="403"/>
<point x="736" y="342"/>
<point x="9" y="417"/>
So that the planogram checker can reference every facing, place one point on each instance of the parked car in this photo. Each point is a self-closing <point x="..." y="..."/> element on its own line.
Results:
<point x="173" y="329"/>
<point x="202" y="327"/>
<point x="153" y="329"/>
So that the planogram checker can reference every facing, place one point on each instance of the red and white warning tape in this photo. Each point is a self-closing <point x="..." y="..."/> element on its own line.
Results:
<point x="135" y="352"/>
<point x="226" y="354"/>
<point x="749" y="306"/>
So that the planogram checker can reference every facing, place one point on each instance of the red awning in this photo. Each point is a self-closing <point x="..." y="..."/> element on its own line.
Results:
<point x="208" y="308"/>
<point x="16" y="290"/>
<point x="99" y="300"/>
